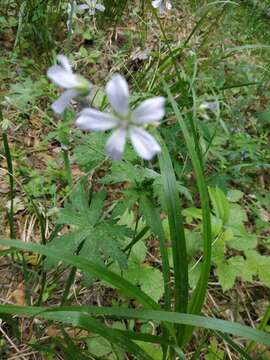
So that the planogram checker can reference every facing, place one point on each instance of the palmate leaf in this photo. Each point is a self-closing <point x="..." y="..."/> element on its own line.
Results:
<point x="91" y="152"/>
<point x="24" y="95"/>
<point x="100" y="237"/>
<point x="125" y="171"/>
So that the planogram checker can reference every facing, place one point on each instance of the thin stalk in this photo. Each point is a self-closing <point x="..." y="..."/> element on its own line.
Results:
<point x="71" y="277"/>
<point x="43" y="271"/>
<point x="10" y="212"/>
<point x="262" y="326"/>
<point x="68" y="285"/>
<point x="68" y="171"/>
<point x="153" y="220"/>
<point x="166" y="42"/>
<point x="71" y="8"/>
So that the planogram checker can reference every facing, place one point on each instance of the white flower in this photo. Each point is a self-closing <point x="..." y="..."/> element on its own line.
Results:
<point x="63" y="76"/>
<point x="127" y="123"/>
<point x="162" y="5"/>
<point x="91" y="6"/>
<point x="209" y="105"/>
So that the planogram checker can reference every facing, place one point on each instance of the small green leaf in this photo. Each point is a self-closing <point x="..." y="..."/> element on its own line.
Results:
<point x="220" y="204"/>
<point x="234" y="195"/>
<point x="98" y="346"/>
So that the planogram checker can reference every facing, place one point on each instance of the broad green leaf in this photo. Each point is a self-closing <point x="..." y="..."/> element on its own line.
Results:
<point x="234" y="195"/>
<point x="91" y="153"/>
<point x="226" y="275"/>
<point x="98" y="346"/>
<point x="192" y="212"/>
<point x="260" y="265"/>
<point x="235" y="267"/>
<point x="241" y="239"/>
<point x="149" y="278"/>
<point x="152" y="350"/>
<point x="237" y="215"/>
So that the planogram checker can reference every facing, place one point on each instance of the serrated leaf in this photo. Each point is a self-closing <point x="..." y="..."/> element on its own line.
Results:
<point x="149" y="278"/>
<point x="24" y="95"/>
<point x="125" y="171"/>
<point x="235" y="267"/>
<point x="79" y="213"/>
<point x="241" y="240"/>
<point x="260" y="264"/>
<point x="67" y="243"/>
<point x="226" y="276"/>
<point x="91" y="153"/>
<point x="101" y="237"/>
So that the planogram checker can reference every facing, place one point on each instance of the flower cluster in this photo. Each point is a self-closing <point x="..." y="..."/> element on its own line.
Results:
<point x="127" y="124"/>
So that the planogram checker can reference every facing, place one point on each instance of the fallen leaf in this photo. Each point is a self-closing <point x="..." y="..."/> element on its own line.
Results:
<point x="18" y="295"/>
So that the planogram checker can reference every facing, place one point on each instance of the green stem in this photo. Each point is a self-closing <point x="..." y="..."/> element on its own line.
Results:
<point x="10" y="211"/>
<point x="70" y="24"/>
<point x="43" y="271"/>
<point x="71" y="278"/>
<point x="153" y="220"/>
<point x="68" y="171"/>
<point x="262" y="326"/>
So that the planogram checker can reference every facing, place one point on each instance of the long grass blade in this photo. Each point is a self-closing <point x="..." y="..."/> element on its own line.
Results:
<point x="89" y="267"/>
<point x="223" y="326"/>
<point x="177" y="232"/>
<point x="197" y="300"/>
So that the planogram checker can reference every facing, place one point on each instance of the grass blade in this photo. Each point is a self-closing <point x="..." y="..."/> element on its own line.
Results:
<point x="140" y="314"/>
<point x="177" y="232"/>
<point x="89" y="267"/>
<point x="197" y="300"/>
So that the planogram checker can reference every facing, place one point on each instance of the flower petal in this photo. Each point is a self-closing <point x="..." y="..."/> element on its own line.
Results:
<point x="63" y="60"/>
<point x="83" y="7"/>
<point x="116" y="144"/>
<point x="144" y="143"/>
<point x="168" y="5"/>
<point x="100" y="7"/>
<point x="63" y="101"/>
<point x="156" y="3"/>
<point x="62" y="77"/>
<point x="117" y="91"/>
<point x="93" y="120"/>
<point x="149" y="110"/>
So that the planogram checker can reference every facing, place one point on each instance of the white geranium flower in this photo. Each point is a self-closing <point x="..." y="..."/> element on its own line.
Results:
<point x="63" y="76"/>
<point x="91" y="6"/>
<point x="209" y="105"/>
<point x="162" y="5"/>
<point x="127" y="123"/>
